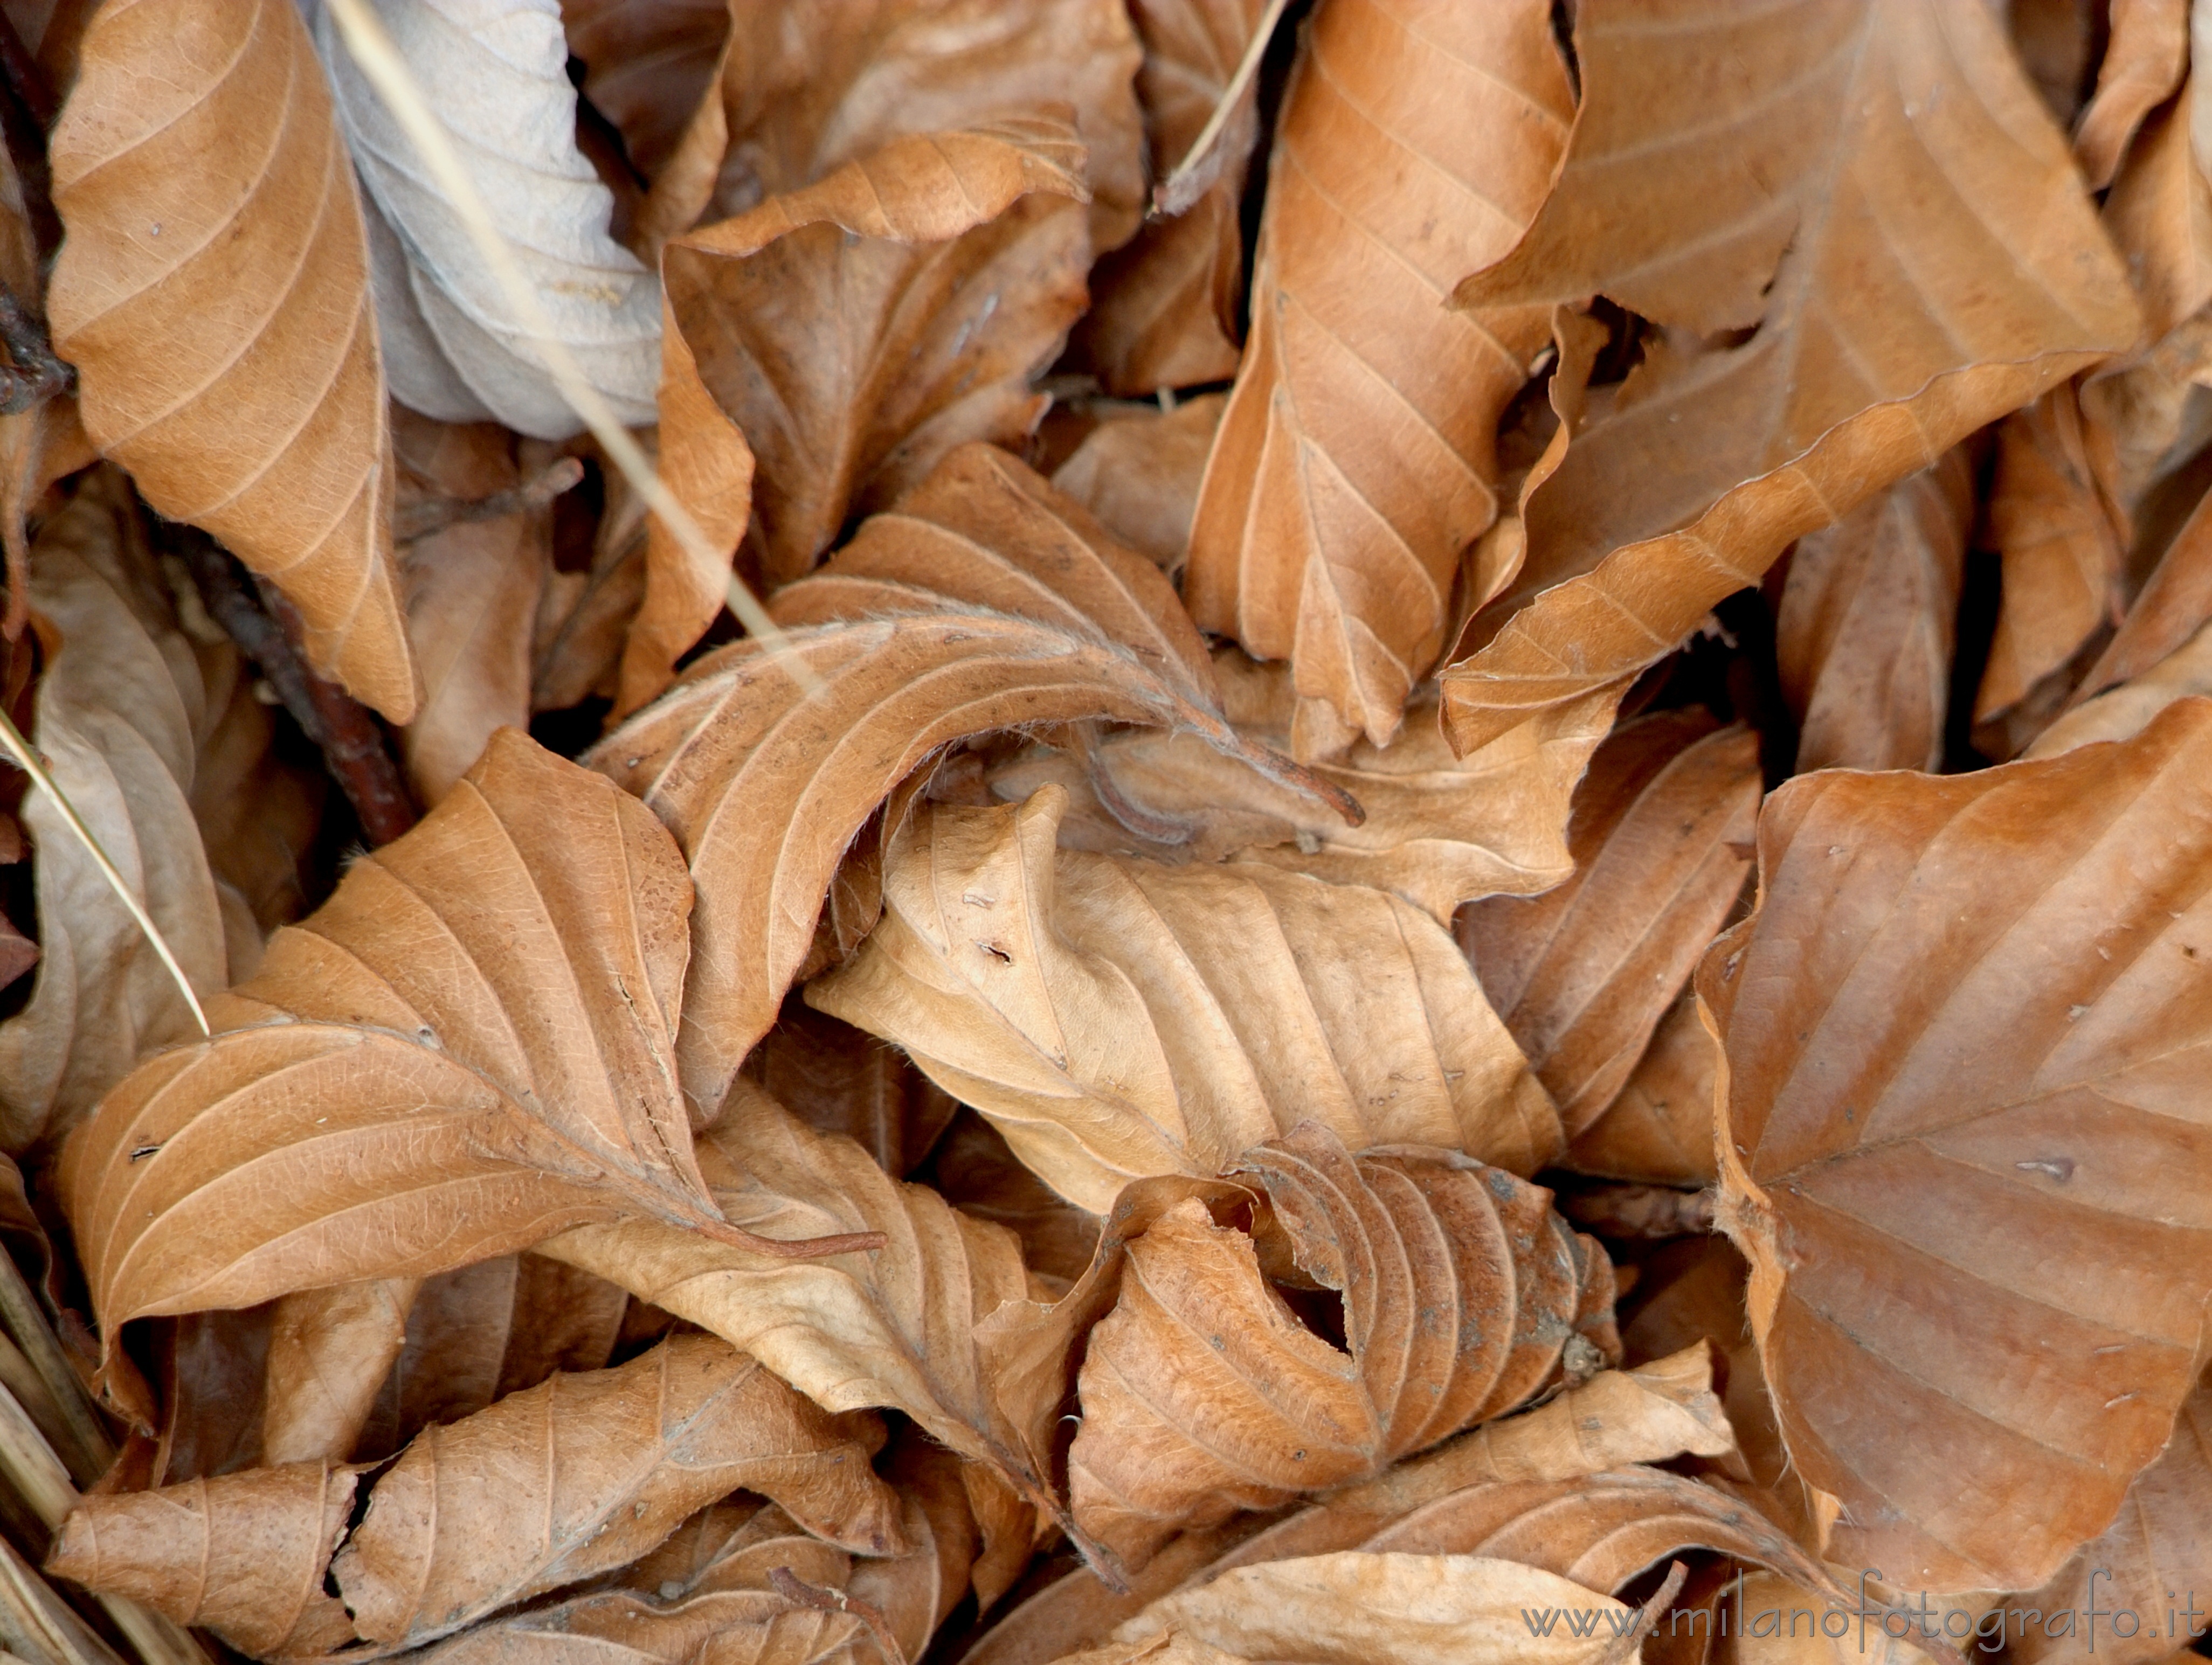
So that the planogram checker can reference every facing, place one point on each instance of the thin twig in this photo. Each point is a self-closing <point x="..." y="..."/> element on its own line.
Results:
<point x="25" y="1321"/>
<point x="419" y="519"/>
<point x="790" y="1586"/>
<point x="28" y="760"/>
<point x="267" y="632"/>
<point x="379" y="60"/>
<point x="1200" y="166"/>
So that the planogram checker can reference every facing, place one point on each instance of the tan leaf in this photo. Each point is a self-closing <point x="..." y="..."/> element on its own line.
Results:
<point x="602" y="1467"/>
<point x="616" y="1628"/>
<point x="2144" y="62"/>
<point x="244" y="1556"/>
<point x="647" y="63"/>
<point x="837" y="1080"/>
<point x="1662" y="842"/>
<point x="1120" y="1018"/>
<point x="454" y="345"/>
<point x="1355" y="460"/>
<point x="119" y="711"/>
<point x="895" y="1327"/>
<point x="2173" y="604"/>
<point x="2156" y="1550"/>
<point x="1139" y="473"/>
<point x="1659" y="1127"/>
<point x="1437" y="831"/>
<point x="329" y="1352"/>
<point x="1959" y="1092"/>
<point x="765" y="804"/>
<point x="974" y="1169"/>
<point x="1888" y="324"/>
<point x="2159" y="212"/>
<point x="2122" y="711"/>
<point x="1203" y="1393"/>
<point x="859" y="327"/>
<point x="1164" y="307"/>
<point x="468" y="1047"/>
<point x="262" y="415"/>
<point x="472" y="590"/>
<point x="1864" y="634"/>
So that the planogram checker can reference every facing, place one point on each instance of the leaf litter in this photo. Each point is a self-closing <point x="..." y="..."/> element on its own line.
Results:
<point x="1179" y="831"/>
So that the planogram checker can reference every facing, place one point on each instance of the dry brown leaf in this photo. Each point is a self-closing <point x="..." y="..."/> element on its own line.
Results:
<point x="646" y="64"/>
<point x="1164" y="307"/>
<point x="121" y="708"/>
<point x="1661" y="843"/>
<point x="1965" y="1037"/>
<point x="974" y="1169"/>
<point x="1203" y="1393"/>
<point x="857" y="330"/>
<point x="1139" y="473"/>
<point x="836" y="1079"/>
<point x="1865" y="630"/>
<point x="1889" y="320"/>
<point x="616" y="1628"/>
<point x="584" y="617"/>
<point x="2144" y="62"/>
<point x="2160" y="214"/>
<point x="1659" y="1127"/>
<point x="329" y="1352"/>
<point x="2173" y="603"/>
<point x="602" y="1467"/>
<point x="472" y="590"/>
<point x="2122" y="711"/>
<point x="1119" y="1019"/>
<point x="1356" y="458"/>
<point x="765" y="802"/>
<point x="211" y="208"/>
<point x="481" y="1015"/>
<point x="244" y="1555"/>
<point x="895" y="1327"/>
<point x="2159" y="1549"/>
<point x="1438" y="829"/>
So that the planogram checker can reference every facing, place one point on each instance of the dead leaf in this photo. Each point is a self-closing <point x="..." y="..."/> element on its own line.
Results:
<point x="1120" y="1018"/>
<point x="1355" y="460"/>
<point x="1661" y="843"/>
<point x="837" y="1080"/>
<point x="646" y="64"/>
<point x="1934" y="1171"/>
<point x="1886" y="324"/>
<point x="617" y="1627"/>
<point x="119" y="713"/>
<point x="1164" y="311"/>
<point x="1864" y="634"/>
<point x="1659" y="1127"/>
<point x="2123" y="710"/>
<point x="2144" y="62"/>
<point x="330" y="1350"/>
<point x="244" y="1555"/>
<point x="974" y="1169"/>
<point x="1438" y="829"/>
<point x="603" y="1466"/>
<point x="472" y="591"/>
<point x="483" y="1012"/>
<point x="454" y="347"/>
<point x="2160" y="214"/>
<point x="1139" y="473"/>
<point x="856" y="330"/>
<point x="1202" y="1392"/>
<point x="211" y="210"/>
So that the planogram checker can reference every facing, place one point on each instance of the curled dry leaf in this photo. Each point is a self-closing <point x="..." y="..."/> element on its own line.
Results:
<point x="1661" y="843"/>
<point x="329" y="1352"/>
<point x="495" y="71"/>
<point x="616" y="1628"/>
<point x="2122" y="712"/>
<point x="244" y="1556"/>
<point x="1138" y="474"/>
<point x="856" y="330"/>
<point x="837" y="1080"/>
<point x="765" y="789"/>
<point x="1659" y="1127"/>
<point x="646" y="64"/>
<point x="2144" y="62"/>
<point x="1438" y="830"/>
<point x="210" y="209"/>
<point x="1933" y="1174"/>
<point x="2159" y="213"/>
<point x="1120" y="1018"/>
<point x="1202" y="1393"/>
<point x="1356" y="459"/>
<point x="1887" y="323"/>
<point x="121" y="708"/>
<point x="468" y="1047"/>
<point x="1868" y="613"/>
<point x="603" y="1466"/>
<point x="1164" y="311"/>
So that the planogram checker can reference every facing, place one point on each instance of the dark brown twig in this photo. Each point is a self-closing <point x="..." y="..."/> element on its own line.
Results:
<point x="790" y="1586"/>
<point x="267" y="631"/>
<point x="417" y="520"/>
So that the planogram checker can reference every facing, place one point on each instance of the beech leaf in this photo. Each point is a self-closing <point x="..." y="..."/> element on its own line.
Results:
<point x="1965" y="1035"/>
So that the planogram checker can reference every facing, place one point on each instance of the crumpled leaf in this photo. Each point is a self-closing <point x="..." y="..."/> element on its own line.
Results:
<point x="619" y="1627"/>
<point x="1203" y="1393"/>
<point x="467" y="1048"/>
<point x="2144" y="62"/>
<point x="121" y="708"/>
<point x="1662" y="842"/>
<point x="857" y="329"/>
<point x="494" y="72"/>
<point x="244" y="1555"/>
<point x="1659" y="1127"/>
<point x="1438" y="830"/>
<point x="1119" y="1019"/>
<point x="2123" y="710"/>
<point x="210" y="210"/>
<point x="1164" y="308"/>
<point x="1138" y="474"/>
<point x="1965" y="1035"/>
<point x="1887" y="321"/>
<point x="329" y="1351"/>
<point x="647" y="63"/>
<point x="1864" y="634"/>
<point x="1356" y="459"/>
<point x="602" y="1467"/>
<point x="837" y="1080"/>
